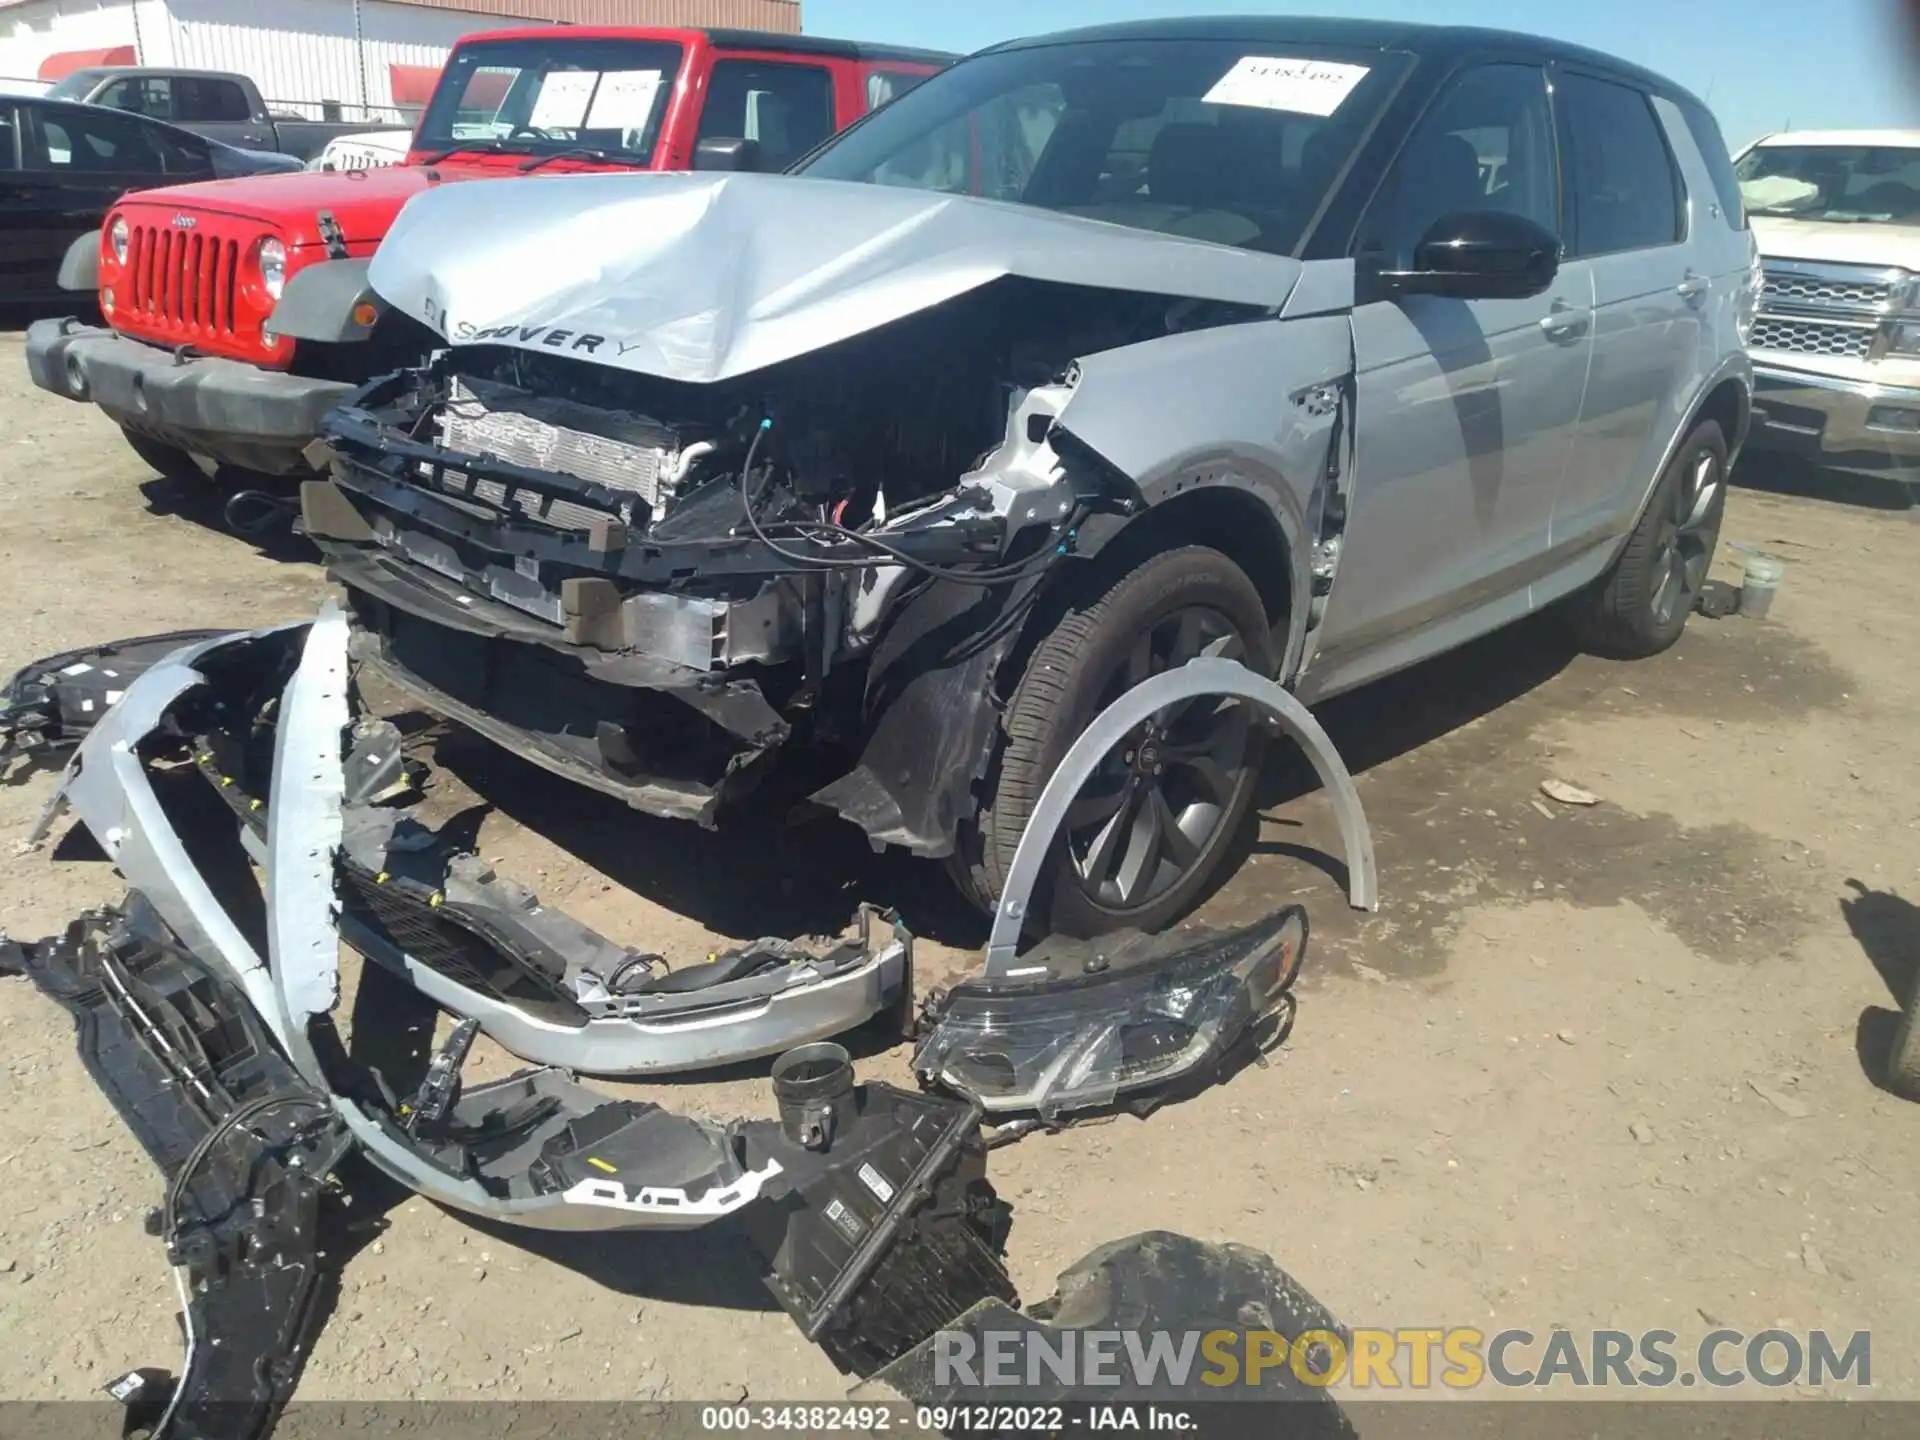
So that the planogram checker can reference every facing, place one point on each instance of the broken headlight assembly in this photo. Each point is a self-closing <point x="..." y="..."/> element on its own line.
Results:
<point x="1081" y="1026"/>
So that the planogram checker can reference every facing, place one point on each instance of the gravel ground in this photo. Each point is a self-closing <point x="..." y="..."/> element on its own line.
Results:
<point x="1609" y="1066"/>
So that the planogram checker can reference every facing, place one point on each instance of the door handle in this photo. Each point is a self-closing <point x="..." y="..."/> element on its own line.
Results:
<point x="1566" y="323"/>
<point x="1693" y="288"/>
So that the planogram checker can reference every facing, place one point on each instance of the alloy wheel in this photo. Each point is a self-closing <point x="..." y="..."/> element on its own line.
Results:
<point x="1688" y="534"/>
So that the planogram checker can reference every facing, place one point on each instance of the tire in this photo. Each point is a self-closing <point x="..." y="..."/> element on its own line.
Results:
<point x="1191" y="597"/>
<point x="167" y="461"/>
<point x="1903" y="1055"/>
<point x="1640" y="606"/>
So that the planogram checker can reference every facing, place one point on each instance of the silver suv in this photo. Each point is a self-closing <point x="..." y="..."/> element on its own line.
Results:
<point x="1323" y="345"/>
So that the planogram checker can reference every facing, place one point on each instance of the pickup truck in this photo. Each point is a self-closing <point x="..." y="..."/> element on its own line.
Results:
<point x="214" y="103"/>
<point x="1836" y="346"/>
<point x="240" y="313"/>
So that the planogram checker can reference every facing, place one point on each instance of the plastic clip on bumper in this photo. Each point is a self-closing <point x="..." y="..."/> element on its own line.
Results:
<point x="227" y="410"/>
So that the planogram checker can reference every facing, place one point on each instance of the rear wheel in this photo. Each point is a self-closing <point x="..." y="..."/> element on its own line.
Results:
<point x="1149" y="831"/>
<point x="168" y="461"/>
<point x="1640" y="606"/>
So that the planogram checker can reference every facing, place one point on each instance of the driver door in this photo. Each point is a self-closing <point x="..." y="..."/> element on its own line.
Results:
<point x="1465" y="410"/>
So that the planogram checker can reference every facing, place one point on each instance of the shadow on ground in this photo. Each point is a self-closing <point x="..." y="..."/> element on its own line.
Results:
<point x="1786" y="475"/>
<point x="226" y="505"/>
<point x="1888" y="929"/>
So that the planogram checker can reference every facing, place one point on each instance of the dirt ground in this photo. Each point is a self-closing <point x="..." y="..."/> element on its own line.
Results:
<point x="1586" y="1067"/>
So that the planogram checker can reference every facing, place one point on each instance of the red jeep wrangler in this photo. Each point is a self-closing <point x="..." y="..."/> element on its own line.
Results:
<point x="239" y="309"/>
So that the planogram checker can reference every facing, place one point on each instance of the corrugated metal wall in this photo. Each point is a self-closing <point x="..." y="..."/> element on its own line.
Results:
<point x="303" y="52"/>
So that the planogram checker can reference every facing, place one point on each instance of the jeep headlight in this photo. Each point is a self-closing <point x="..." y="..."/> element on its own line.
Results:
<point x="118" y="237"/>
<point x="273" y="267"/>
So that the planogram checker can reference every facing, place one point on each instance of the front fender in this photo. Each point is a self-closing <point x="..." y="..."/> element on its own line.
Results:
<point x="331" y="302"/>
<point x="1237" y="407"/>
<point x="80" y="266"/>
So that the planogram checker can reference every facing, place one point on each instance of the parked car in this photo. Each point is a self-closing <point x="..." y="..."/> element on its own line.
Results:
<point x="64" y="166"/>
<point x="1836" y="350"/>
<point x="215" y="103"/>
<point x="372" y="151"/>
<point x="1323" y="345"/>
<point x="545" y="102"/>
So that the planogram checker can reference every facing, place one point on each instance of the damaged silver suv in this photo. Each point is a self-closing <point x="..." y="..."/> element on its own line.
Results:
<point x="1320" y="345"/>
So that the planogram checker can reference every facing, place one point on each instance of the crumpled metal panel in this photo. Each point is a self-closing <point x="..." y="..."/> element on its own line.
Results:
<point x="704" y="277"/>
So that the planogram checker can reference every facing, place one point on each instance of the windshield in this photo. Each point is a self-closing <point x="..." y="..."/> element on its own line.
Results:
<point x="75" y="86"/>
<point x="1206" y="139"/>
<point x="542" y="96"/>
<point x="1865" y="184"/>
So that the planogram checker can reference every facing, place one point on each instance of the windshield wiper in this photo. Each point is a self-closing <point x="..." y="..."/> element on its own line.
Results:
<point x="474" y="147"/>
<point x="578" y="152"/>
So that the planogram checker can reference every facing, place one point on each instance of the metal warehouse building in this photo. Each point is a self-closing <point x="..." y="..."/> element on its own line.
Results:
<point x="361" y="59"/>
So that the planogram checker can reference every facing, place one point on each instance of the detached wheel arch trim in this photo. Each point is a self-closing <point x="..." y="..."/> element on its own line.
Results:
<point x="1195" y="680"/>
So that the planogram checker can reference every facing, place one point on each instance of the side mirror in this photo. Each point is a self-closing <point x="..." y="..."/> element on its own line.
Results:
<point x="1480" y="255"/>
<point x="726" y="152"/>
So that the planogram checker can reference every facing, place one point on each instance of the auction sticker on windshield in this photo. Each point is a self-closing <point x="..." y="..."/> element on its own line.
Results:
<point x="563" y="100"/>
<point x="624" y="100"/>
<point x="1300" y="87"/>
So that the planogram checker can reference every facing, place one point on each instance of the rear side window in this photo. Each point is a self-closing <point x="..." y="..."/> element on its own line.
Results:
<point x="1712" y="145"/>
<point x="77" y="143"/>
<point x="197" y="100"/>
<point x="150" y="95"/>
<point x="1625" y="190"/>
<point x="786" y="109"/>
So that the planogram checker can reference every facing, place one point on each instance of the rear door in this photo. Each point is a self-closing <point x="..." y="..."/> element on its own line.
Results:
<point x="1465" y="411"/>
<point x="1630" y="226"/>
<point x="26" y="225"/>
<point x="219" y="109"/>
<point x="785" y="106"/>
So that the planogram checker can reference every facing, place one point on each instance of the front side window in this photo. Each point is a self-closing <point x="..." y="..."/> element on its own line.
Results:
<point x="785" y="109"/>
<point x="1626" y="193"/>
<point x="546" y="95"/>
<point x="1486" y="144"/>
<point x="1207" y="139"/>
<point x="1845" y="184"/>
<point x="151" y="96"/>
<point x="103" y="143"/>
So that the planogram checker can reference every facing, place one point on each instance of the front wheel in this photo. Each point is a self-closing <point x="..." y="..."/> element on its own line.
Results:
<point x="1149" y="831"/>
<point x="1640" y="606"/>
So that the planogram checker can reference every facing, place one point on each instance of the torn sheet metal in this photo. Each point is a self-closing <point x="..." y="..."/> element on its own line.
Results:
<point x="703" y="277"/>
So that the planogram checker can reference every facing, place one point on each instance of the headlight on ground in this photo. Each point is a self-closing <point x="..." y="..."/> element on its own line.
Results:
<point x="117" y="237"/>
<point x="273" y="267"/>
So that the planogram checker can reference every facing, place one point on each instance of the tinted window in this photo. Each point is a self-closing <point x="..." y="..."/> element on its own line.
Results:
<point x="885" y="85"/>
<point x="74" y="142"/>
<point x="1486" y="145"/>
<point x="209" y="100"/>
<point x="787" y="109"/>
<point x="9" y="140"/>
<point x="1712" y="145"/>
<point x="1626" y="195"/>
<point x="1207" y="139"/>
<point x="151" y="96"/>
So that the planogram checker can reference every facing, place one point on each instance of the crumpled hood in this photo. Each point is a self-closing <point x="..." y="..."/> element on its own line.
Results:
<point x="1838" y="244"/>
<point x="702" y="277"/>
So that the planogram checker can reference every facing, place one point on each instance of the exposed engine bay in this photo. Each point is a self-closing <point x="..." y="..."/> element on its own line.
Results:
<point x="653" y="586"/>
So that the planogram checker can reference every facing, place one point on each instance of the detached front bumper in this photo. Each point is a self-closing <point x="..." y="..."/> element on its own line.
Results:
<point x="1842" y="423"/>
<point x="225" y="410"/>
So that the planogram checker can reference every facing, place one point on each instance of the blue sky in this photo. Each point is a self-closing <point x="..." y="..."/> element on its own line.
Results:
<point x="1761" y="63"/>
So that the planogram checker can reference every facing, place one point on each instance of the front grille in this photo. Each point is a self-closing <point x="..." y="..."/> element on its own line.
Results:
<point x="1813" y="337"/>
<point x="643" y="467"/>
<point x="183" y="282"/>
<point x="1792" y="288"/>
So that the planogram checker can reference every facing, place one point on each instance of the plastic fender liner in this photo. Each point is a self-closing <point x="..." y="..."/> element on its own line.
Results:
<point x="1194" y="680"/>
<point x="244" y="1143"/>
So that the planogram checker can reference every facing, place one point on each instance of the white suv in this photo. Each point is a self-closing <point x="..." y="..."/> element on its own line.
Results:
<point x="1836" y="349"/>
